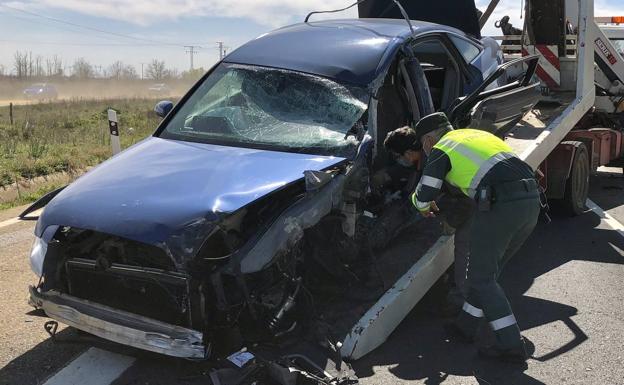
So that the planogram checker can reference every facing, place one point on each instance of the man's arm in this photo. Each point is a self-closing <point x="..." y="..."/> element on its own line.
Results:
<point x="438" y="165"/>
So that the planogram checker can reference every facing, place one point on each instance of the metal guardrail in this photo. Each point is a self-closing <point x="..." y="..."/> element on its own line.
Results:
<point x="517" y="47"/>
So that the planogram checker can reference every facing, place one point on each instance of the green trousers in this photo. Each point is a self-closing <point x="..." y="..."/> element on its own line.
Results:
<point x="495" y="236"/>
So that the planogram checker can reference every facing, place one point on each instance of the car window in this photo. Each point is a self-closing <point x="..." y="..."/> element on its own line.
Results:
<point x="468" y="50"/>
<point x="253" y="106"/>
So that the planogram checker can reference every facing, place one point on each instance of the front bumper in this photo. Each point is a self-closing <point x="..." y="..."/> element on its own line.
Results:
<point x="120" y="326"/>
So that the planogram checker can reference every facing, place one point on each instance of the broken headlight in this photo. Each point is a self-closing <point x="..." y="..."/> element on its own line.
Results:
<point x="37" y="255"/>
<point x="39" y="250"/>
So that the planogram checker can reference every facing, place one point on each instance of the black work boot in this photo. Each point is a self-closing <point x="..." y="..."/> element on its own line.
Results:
<point x="455" y="333"/>
<point x="515" y="355"/>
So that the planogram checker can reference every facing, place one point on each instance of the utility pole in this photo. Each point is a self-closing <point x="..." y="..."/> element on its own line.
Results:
<point x="222" y="49"/>
<point x="142" y="64"/>
<point x="191" y="50"/>
<point x="220" y="44"/>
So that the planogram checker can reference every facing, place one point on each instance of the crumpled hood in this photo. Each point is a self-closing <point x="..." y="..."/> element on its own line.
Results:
<point x="157" y="188"/>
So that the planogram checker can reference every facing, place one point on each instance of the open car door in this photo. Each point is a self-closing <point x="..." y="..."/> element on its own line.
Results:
<point x="499" y="109"/>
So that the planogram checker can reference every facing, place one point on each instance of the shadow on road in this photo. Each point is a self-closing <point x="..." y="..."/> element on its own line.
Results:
<point x="607" y="191"/>
<point x="43" y="360"/>
<point x="418" y="349"/>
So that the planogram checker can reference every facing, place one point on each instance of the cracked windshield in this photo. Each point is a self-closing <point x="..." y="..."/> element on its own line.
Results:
<point x="255" y="106"/>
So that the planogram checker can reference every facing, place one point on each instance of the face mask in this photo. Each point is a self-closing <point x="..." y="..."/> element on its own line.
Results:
<point x="404" y="162"/>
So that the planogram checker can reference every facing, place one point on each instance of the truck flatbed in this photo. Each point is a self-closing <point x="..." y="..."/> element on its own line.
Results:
<point x="523" y="136"/>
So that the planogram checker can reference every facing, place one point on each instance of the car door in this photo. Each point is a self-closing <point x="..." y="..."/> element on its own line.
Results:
<point x="448" y="73"/>
<point x="481" y="58"/>
<point x="499" y="109"/>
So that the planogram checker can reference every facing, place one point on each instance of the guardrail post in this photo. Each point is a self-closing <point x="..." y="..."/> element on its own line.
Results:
<point x="113" y="125"/>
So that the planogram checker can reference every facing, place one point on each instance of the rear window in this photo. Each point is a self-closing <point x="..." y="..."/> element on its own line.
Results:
<point x="468" y="50"/>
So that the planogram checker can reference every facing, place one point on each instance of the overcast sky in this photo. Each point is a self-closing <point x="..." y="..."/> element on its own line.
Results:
<point x="141" y="30"/>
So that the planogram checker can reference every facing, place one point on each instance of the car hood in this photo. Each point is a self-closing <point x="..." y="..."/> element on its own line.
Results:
<point x="156" y="189"/>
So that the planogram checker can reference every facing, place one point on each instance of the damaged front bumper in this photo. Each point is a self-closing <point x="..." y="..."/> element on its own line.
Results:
<point x="120" y="326"/>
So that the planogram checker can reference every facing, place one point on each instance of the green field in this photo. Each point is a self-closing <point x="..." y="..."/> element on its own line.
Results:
<point x="67" y="136"/>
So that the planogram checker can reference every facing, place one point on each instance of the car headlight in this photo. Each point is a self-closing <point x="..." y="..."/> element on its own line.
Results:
<point x="40" y="248"/>
<point x="37" y="256"/>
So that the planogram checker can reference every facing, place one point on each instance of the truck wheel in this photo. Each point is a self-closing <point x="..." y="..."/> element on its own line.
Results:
<point x="577" y="185"/>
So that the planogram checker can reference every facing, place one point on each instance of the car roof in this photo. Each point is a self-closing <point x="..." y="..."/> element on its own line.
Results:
<point x="348" y="50"/>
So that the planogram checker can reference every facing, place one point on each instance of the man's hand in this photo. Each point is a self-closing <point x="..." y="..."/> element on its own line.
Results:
<point x="426" y="209"/>
<point x="433" y="208"/>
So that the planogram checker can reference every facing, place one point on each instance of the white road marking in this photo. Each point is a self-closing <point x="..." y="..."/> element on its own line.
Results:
<point x="612" y="222"/>
<point x="93" y="367"/>
<point x="9" y="222"/>
<point x="615" y="171"/>
<point x="13" y="221"/>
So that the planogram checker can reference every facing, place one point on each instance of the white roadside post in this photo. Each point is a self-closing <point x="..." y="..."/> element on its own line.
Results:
<point x="113" y="125"/>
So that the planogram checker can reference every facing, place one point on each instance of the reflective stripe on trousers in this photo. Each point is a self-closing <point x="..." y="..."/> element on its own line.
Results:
<point x="473" y="311"/>
<point x="503" y="322"/>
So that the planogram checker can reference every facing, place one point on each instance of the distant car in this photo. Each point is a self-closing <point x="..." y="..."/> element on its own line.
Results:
<point x="41" y="91"/>
<point x="159" y="89"/>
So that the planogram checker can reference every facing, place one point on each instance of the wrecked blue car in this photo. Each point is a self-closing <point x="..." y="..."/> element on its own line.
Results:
<point x="264" y="195"/>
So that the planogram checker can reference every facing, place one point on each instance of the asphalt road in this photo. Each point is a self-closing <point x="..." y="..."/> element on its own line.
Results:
<point x="565" y="285"/>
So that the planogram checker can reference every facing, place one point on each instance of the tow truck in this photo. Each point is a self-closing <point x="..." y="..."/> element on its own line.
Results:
<point x="576" y="128"/>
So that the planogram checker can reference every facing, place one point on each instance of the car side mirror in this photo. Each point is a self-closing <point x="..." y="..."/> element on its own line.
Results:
<point x="163" y="107"/>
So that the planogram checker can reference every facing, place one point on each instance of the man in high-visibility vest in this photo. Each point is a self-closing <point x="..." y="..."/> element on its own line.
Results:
<point x="507" y="207"/>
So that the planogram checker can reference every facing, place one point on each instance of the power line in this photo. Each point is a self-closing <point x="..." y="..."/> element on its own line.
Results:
<point x="32" y="20"/>
<point x="81" y="44"/>
<point x="89" y="28"/>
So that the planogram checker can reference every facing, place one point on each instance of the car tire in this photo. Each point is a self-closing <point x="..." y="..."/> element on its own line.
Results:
<point x="577" y="185"/>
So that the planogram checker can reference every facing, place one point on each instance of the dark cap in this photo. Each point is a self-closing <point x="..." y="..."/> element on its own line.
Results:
<point x="431" y="123"/>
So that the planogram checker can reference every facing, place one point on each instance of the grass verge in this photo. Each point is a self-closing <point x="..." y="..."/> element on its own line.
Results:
<point x="29" y="197"/>
<point x="67" y="136"/>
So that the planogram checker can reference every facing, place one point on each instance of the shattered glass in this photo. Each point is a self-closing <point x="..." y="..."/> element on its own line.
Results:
<point x="248" y="105"/>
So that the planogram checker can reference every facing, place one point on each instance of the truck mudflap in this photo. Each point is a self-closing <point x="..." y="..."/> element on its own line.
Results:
<point x="119" y="326"/>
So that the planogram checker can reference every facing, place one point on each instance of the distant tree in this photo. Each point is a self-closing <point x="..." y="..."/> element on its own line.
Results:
<point x="172" y="73"/>
<point x="156" y="70"/>
<point x="2" y="70"/>
<point x="82" y="69"/>
<point x="21" y="64"/>
<point x="119" y="70"/>
<point x="194" y="74"/>
<point x="37" y="67"/>
<point x="54" y="66"/>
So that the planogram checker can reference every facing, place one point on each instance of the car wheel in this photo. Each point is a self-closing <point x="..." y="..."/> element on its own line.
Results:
<point x="577" y="185"/>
